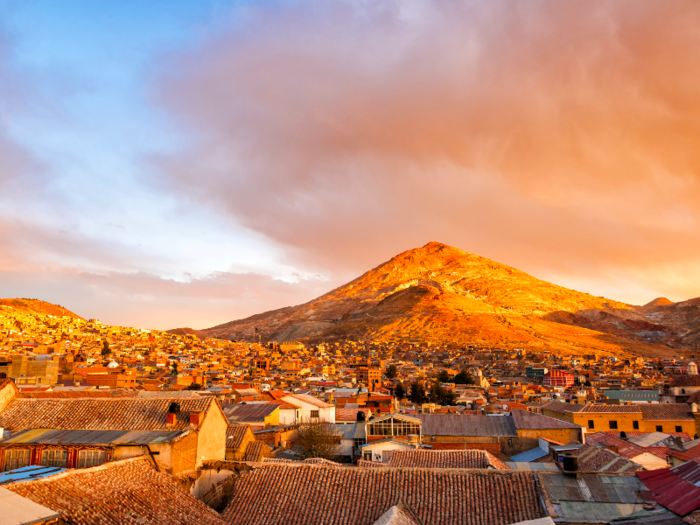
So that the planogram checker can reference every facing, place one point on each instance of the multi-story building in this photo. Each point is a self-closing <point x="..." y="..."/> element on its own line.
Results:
<point x="558" y="378"/>
<point x="32" y="370"/>
<point x="370" y="377"/>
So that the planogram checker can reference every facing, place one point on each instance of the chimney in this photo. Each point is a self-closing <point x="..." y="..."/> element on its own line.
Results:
<point x="172" y="418"/>
<point x="195" y="418"/>
<point x="694" y="408"/>
<point x="414" y="439"/>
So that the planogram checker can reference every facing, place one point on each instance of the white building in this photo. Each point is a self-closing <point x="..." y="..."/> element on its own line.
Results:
<point x="312" y="409"/>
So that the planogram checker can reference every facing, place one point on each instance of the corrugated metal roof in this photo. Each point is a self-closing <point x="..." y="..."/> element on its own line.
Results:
<point x="534" y="467"/>
<point x="18" y="510"/>
<point x="93" y="437"/>
<point x="457" y="425"/>
<point x="675" y="488"/>
<point x="665" y="518"/>
<point x="594" y="512"/>
<point x="26" y="473"/>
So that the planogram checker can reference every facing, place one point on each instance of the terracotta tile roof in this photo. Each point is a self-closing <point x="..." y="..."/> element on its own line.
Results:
<point x="686" y="380"/>
<point x="398" y="515"/>
<point x="127" y="491"/>
<point x="595" y="459"/>
<point x="235" y="435"/>
<point x="350" y="414"/>
<point x="613" y="409"/>
<point x="472" y="459"/>
<point x="666" y="411"/>
<point x="284" y="494"/>
<point x="253" y="452"/>
<point x="363" y="463"/>
<point x="558" y="406"/>
<point x="98" y="413"/>
<point x="74" y="394"/>
<point x="529" y="420"/>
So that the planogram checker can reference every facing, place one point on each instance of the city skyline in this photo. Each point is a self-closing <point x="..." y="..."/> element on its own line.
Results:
<point x="180" y="164"/>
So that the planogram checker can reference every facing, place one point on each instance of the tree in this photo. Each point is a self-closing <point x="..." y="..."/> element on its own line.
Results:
<point x="318" y="440"/>
<point x="418" y="392"/>
<point x="105" y="348"/>
<point x="463" y="378"/>
<point x="443" y="376"/>
<point x="194" y="386"/>
<point x="173" y="368"/>
<point x="391" y="371"/>
<point x="442" y="396"/>
<point x="399" y="392"/>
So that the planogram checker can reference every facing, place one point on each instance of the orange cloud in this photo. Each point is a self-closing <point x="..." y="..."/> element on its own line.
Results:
<point x="560" y="138"/>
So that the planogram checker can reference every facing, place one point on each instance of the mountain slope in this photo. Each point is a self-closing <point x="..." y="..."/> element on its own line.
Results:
<point x="441" y="294"/>
<point x="40" y="307"/>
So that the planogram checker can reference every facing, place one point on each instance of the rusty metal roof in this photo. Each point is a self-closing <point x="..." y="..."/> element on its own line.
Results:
<point x="677" y="488"/>
<point x="43" y="436"/>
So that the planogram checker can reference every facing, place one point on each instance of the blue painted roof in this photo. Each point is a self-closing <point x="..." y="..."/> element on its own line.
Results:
<point x="25" y="473"/>
<point x="530" y="455"/>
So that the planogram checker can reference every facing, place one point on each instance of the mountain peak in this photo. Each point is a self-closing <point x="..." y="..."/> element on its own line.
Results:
<point x="659" y="301"/>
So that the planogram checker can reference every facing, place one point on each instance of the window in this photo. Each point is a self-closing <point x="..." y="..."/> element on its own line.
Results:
<point x="591" y="424"/>
<point x="54" y="458"/>
<point x="384" y="427"/>
<point x="89" y="458"/>
<point x="17" y="458"/>
<point x="635" y="425"/>
<point x="679" y="428"/>
<point x="613" y="425"/>
<point x="314" y="414"/>
<point x="659" y="428"/>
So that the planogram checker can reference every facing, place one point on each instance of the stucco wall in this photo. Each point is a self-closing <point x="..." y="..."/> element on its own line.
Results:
<point x="212" y="435"/>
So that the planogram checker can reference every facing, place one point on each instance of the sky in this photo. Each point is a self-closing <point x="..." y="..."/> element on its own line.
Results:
<point x="176" y="163"/>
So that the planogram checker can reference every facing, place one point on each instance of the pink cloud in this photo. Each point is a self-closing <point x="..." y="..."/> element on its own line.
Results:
<point x="559" y="138"/>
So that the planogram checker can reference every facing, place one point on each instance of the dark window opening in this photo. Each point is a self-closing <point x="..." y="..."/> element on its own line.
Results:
<point x="659" y="428"/>
<point x="591" y="424"/>
<point x="635" y="425"/>
<point x="613" y="425"/>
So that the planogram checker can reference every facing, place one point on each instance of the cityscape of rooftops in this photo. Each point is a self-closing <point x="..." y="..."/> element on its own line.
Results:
<point x="295" y="262"/>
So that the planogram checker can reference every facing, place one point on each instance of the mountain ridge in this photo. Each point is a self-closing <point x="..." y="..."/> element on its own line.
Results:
<point x="440" y="293"/>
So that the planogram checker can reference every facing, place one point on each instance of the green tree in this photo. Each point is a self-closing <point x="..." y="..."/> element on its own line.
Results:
<point x="391" y="371"/>
<point x="194" y="386"/>
<point x="173" y="368"/>
<point x="463" y="378"/>
<point x="399" y="392"/>
<point x="443" y="376"/>
<point x="105" y="348"/>
<point x="441" y="395"/>
<point x="418" y="392"/>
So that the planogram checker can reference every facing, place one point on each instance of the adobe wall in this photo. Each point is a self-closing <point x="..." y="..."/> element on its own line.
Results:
<point x="528" y="439"/>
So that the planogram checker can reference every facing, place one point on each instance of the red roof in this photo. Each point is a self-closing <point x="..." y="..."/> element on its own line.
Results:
<point x="675" y="488"/>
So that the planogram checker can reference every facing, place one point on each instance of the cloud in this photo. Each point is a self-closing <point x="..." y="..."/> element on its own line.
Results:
<point x="560" y="138"/>
<point x="146" y="300"/>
